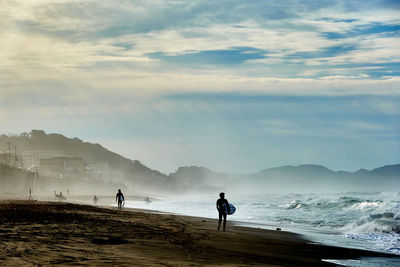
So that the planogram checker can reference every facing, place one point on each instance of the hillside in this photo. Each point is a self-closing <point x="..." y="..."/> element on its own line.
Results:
<point x="316" y="178"/>
<point x="307" y="178"/>
<point x="199" y="179"/>
<point x="140" y="178"/>
<point x="130" y="172"/>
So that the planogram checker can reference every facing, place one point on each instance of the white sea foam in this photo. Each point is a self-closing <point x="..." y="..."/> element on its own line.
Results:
<point x="388" y="242"/>
<point x="365" y="205"/>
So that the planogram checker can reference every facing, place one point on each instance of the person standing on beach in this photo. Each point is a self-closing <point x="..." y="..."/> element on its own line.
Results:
<point x="95" y="200"/>
<point x="223" y="209"/>
<point x="120" y="198"/>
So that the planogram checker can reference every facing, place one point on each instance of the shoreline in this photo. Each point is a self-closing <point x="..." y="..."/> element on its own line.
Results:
<point x="328" y="237"/>
<point x="47" y="233"/>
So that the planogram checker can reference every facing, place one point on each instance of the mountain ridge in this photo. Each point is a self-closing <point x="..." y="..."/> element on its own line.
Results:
<point x="139" y="177"/>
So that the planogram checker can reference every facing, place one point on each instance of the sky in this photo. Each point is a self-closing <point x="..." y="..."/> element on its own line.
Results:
<point x="235" y="86"/>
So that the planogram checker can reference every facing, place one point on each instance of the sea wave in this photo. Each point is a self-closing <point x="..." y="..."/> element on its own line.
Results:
<point x="367" y="216"/>
<point x="373" y="217"/>
<point x="366" y="205"/>
<point x="295" y="204"/>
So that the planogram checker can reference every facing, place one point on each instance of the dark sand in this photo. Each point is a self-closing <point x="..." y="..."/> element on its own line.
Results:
<point x="49" y="233"/>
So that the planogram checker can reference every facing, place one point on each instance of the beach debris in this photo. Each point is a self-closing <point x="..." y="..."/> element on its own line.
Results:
<point x="278" y="229"/>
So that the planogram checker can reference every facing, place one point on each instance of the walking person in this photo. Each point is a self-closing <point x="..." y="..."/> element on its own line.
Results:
<point x="120" y="198"/>
<point x="95" y="200"/>
<point x="223" y="209"/>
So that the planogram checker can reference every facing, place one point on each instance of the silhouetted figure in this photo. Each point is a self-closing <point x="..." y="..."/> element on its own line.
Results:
<point x="147" y="200"/>
<point x="120" y="198"/>
<point x="222" y="212"/>
<point x="95" y="200"/>
<point x="30" y="194"/>
<point x="60" y="196"/>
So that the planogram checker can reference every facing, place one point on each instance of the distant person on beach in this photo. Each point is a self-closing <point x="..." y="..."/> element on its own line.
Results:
<point x="223" y="210"/>
<point x="60" y="196"/>
<point x="120" y="198"/>
<point x="95" y="200"/>
<point x="30" y="194"/>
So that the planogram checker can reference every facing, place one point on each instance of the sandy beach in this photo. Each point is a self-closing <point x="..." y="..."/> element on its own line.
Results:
<point x="34" y="233"/>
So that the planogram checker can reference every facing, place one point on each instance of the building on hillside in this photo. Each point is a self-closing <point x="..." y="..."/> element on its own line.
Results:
<point x="31" y="158"/>
<point x="63" y="166"/>
<point x="6" y="157"/>
<point x="99" y="170"/>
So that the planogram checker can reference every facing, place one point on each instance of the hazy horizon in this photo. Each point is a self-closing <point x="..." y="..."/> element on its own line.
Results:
<point x="60" y="152"/>
<point x="233" y="86"/>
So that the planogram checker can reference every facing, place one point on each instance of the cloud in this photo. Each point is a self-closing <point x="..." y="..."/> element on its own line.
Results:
<point x="60" y="37"/>
<point x="123" y="65"/>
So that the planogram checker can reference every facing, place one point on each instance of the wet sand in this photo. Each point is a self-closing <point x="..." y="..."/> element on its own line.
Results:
<point x="36" y="233"/>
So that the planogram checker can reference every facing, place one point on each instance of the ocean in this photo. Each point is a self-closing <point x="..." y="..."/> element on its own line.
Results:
<point x="357" y="220"/>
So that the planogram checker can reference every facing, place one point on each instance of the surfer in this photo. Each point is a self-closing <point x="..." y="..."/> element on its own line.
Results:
<point x="120" y="198"/>
<point x="223" y="209"/>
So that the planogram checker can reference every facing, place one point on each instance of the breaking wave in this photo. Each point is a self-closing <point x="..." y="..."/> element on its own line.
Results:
<point x="372" y="217"/>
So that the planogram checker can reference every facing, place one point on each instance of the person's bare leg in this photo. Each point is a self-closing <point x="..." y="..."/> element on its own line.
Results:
<point x="219" y="220"/>
<point x="224" y="221"/>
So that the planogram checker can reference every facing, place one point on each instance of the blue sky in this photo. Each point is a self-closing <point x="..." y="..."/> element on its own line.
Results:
<point x="235" y="86"/>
